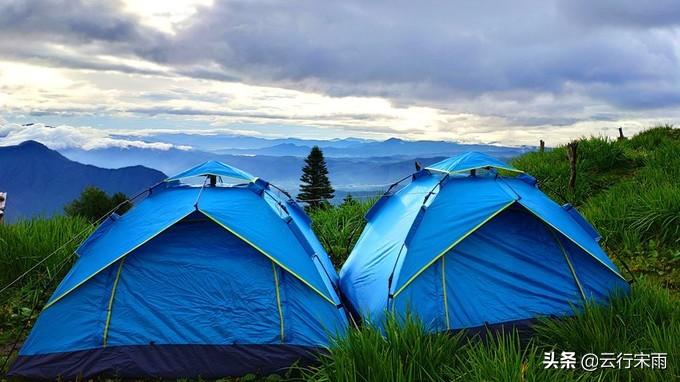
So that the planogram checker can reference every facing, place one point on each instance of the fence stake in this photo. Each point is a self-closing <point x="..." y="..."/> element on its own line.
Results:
<point x="572" y="156"/>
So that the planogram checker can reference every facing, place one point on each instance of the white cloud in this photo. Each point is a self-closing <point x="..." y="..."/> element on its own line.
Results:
<point x="164" y="15"/>
<point x="67" y="137"/>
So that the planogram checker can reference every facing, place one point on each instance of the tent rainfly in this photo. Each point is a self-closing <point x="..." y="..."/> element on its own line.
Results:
<point x="194" y="280"/>
<point x="462" y="246"/>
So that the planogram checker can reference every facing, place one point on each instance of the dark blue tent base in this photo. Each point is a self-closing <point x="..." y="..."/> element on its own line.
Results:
<point x="524" y="329"/>
<point x="164" y="361"/>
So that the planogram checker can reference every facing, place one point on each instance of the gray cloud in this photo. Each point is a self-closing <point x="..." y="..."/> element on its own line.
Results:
<point x="492" y="58"/>
<point x="626" y="13"/>
<point x="89" y="27"/>
<point x="186" y="111"/>
<point x="81" y="19"/>
<point x="436" y="50"/>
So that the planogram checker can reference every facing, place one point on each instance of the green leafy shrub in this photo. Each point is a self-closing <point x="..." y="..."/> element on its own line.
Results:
<point x="94" y="203"/>
<point x="339" y="227"/>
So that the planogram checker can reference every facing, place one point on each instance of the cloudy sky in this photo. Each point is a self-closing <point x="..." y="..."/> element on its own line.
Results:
<point x="478" y="71"/>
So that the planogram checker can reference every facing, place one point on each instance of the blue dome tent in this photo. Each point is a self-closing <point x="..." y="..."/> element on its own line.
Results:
<point x="462" y="247"/>
<point x="195" y="280"/>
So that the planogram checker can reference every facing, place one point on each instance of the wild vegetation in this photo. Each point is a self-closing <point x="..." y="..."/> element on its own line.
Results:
<point x="646" y="321"/>
<point x="629" y="190"/>
<point x="25" y="247"/>
<point x="339" y="228"/>
<point x="94" y="203"/>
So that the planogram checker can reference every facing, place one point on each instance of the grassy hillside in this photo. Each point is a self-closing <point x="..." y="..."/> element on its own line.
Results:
<point x="629" y="190"/>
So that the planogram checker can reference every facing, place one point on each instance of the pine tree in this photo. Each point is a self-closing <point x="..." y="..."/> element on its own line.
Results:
<point x="315" y="189"/>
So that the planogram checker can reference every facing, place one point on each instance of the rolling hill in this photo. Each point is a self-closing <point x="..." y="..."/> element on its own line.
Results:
<point x="40" y="181"/>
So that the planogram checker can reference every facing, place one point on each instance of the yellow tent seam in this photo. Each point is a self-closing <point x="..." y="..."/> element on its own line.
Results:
<point x="573" y="241"/>
<point x="450" y="247"/>
<point x="116" y="259"/>
<point x="571" y="266"/>
<point x="109" y="309"/>
<point x="267" y="255"/>
<point x="278" y="300"/>
<point x="446" y="304"/>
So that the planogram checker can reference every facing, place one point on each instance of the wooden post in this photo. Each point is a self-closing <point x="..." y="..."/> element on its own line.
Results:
<point x="3" y="198"/>
<point x="621" y="137"/>
<point x="572" y="156"/>
<point x="542" y="145"/>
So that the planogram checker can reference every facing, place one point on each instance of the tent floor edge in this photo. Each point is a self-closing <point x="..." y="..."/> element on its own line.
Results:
<point x="165" y="361"/>
<point x="523" y="327"/>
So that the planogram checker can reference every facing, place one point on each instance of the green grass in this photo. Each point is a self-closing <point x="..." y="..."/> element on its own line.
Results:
<point x="406" y="352"/>
<point x="600" y="164"/>
<point x="23" y="245"/>
<point x="339" y="228"/>
<point x="648" y="320"/>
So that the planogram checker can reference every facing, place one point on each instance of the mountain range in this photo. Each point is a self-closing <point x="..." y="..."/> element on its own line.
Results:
<point x="352" y="163"/>
<point x="223" y="142"/>
<point x="285" y="171"/>
<point x="392" y="147"/>
<point x="340" y="148"/>
<point x="40" y="181"/>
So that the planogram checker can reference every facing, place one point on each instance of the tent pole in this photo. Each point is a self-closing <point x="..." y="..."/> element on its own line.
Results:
<point x="278" y="301"/>
<point x="571" y="266"/>
<point x="446" y="303"/>
<point x="111" y="299"/>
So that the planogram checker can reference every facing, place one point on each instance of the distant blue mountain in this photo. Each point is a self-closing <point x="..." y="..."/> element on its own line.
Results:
<point x="348" y="173"/>
<point x="391" y="147"/>
<point x="224" y="143"/>
<point x="340" y="148"/>
<point x="40" y="181"/>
